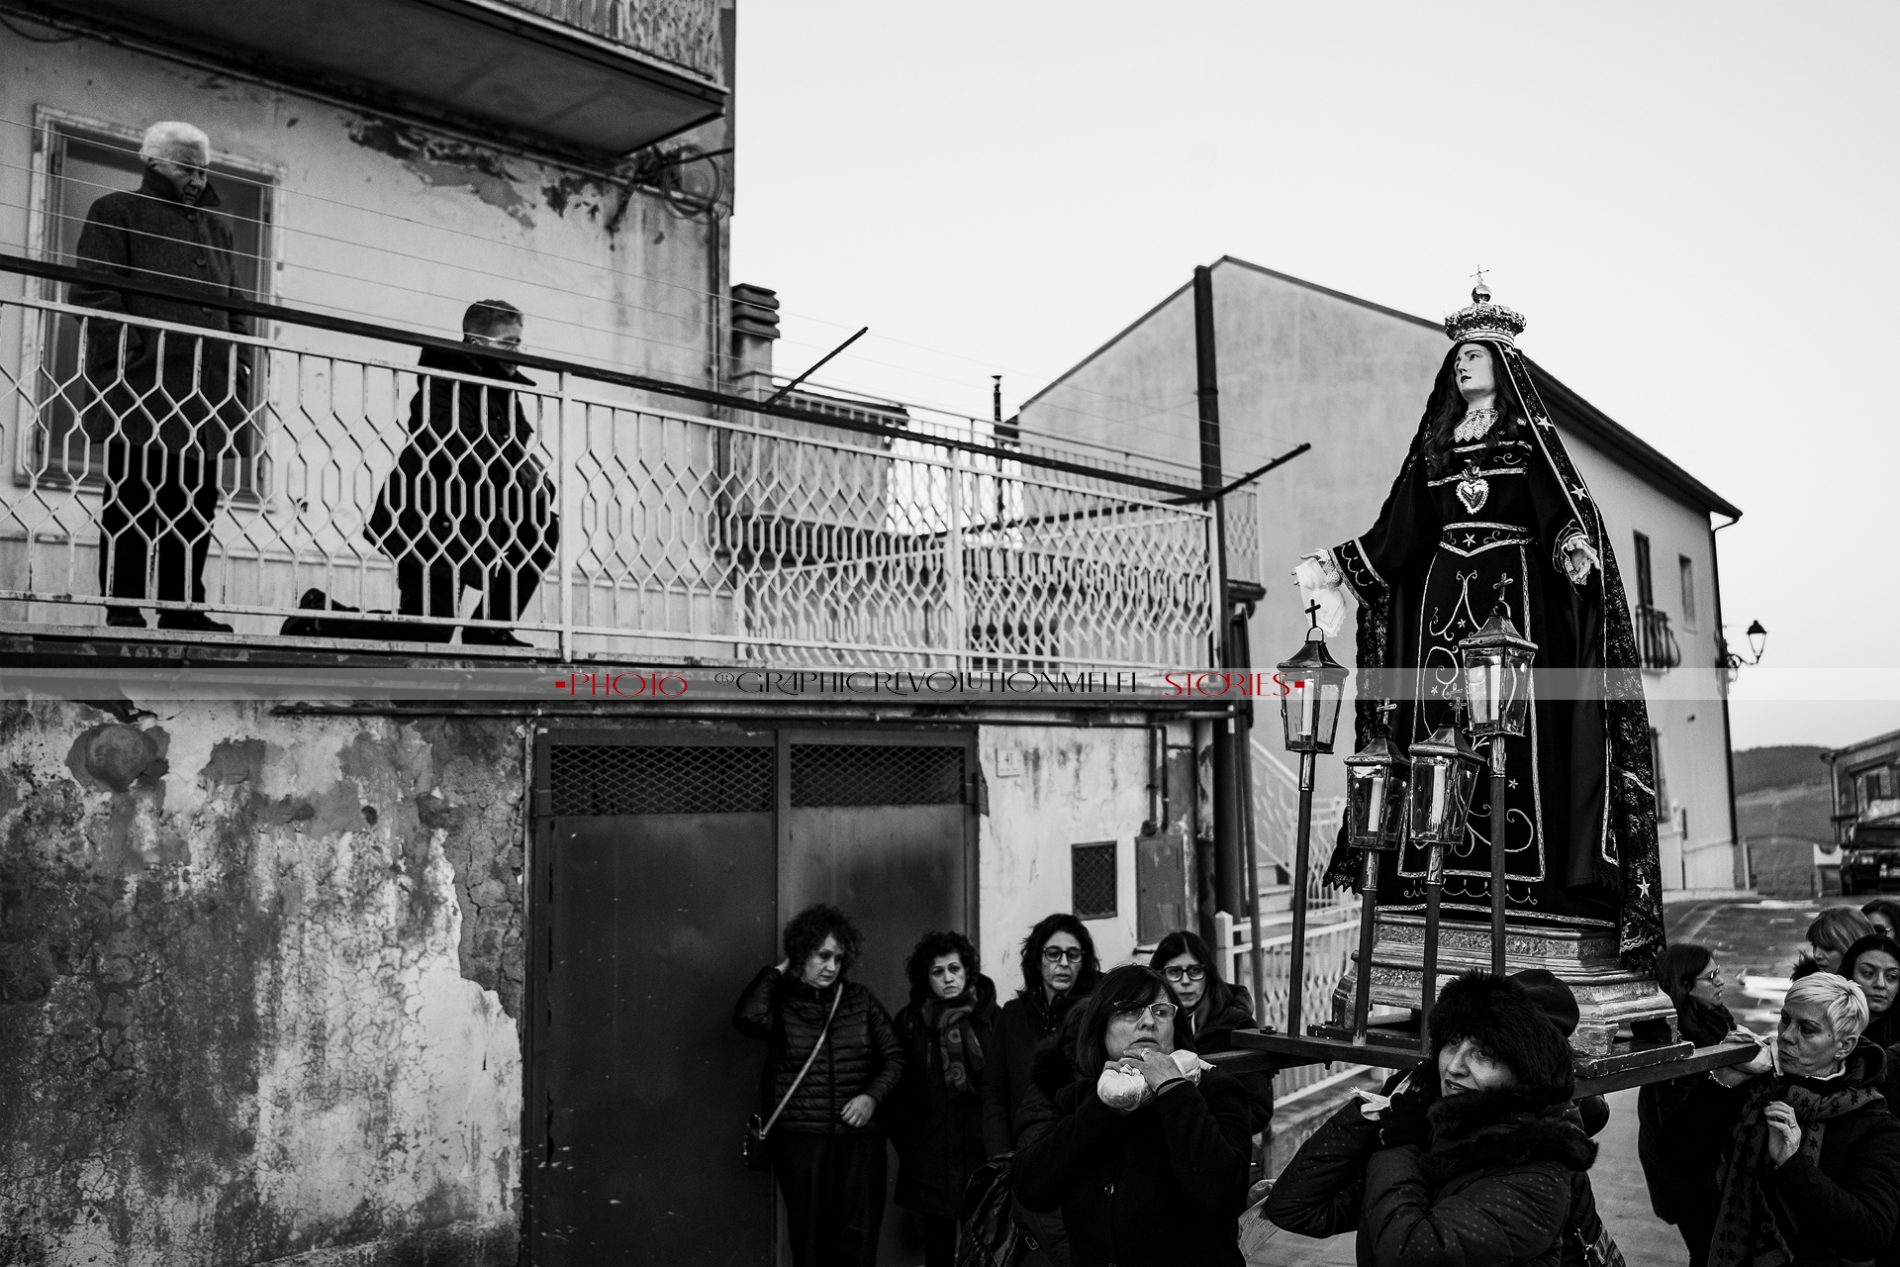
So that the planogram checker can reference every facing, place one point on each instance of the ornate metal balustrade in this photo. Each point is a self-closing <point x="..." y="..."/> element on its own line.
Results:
<point x="684" y="32"/>
<point x="744" y="539"/>
<point x="1656" y="643"/>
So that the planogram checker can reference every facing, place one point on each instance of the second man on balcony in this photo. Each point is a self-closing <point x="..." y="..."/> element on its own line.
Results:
<point x="468" y="503"/>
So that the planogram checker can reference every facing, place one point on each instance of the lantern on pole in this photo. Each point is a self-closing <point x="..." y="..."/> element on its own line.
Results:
<point x="1444" y="770"/>
<point x="1495" y="666"/>
<point x="1376" y="781"/>
<point x="1314" y="683"/>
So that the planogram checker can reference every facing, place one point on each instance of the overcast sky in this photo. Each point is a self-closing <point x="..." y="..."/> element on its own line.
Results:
<point x="1694" y="204"/>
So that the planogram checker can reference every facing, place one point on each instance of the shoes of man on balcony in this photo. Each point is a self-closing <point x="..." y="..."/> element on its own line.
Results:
<point x="125" y="618"/>
<point x="492" y="638"/>
<point x="191" y="622"/>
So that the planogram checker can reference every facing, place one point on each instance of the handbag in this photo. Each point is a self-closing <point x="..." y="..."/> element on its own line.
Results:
<point x="1599" y="1248"/>
<point x="756" y="1129"/>
<point x="992" y="1237"/>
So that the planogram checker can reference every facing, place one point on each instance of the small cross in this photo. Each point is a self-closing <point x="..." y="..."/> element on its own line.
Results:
<point x="1480" y="276"/>
<point x="1312" y="612"/>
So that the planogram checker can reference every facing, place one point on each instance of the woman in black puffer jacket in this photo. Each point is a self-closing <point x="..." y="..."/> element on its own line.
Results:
<point x="827" y="1147"/>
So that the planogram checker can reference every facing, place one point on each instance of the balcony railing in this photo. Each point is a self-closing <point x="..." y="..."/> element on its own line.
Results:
<point x="684" y="32"/>
<point x="747" y="539"/>
<point x="1654" y="640"/>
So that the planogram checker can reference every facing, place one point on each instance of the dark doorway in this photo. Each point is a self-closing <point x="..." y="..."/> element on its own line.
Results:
<point x="665" y="864"/>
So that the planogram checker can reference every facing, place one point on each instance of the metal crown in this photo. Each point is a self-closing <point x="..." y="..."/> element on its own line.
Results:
<point x="1484" y="319"/>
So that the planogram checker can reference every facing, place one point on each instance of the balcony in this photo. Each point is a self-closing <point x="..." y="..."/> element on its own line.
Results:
<point x="602" y="77"/>
<point x="1655" y="643"/>
<point x="682" y="539"/>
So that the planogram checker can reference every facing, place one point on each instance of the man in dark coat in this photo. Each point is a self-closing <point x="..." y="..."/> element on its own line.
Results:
<point x="164" y="404"/>
<point x="468" y="503"/>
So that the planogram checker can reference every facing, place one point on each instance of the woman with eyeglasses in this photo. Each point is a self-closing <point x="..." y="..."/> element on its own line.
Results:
<point x="832" y="1059"/>
<point x="1159" y="1182"/>
<point x="1681" y="1192"/>
<point x="1059" y="969"/>
<point x="1211" y="1010"/>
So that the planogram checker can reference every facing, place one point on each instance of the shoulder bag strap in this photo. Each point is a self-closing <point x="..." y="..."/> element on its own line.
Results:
<point x="793" y="1089"/>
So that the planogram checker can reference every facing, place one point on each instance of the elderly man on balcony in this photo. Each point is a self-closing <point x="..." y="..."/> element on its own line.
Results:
<point x="164" y="404"/>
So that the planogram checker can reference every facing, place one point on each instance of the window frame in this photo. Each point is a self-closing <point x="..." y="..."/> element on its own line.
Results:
<point x="1645" y="572"/>
<point x="51" y="129"/>
<point x="1685" y="572"/>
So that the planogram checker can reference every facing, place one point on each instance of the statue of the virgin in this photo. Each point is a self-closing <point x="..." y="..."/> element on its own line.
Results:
<point x="1488" y="512"/>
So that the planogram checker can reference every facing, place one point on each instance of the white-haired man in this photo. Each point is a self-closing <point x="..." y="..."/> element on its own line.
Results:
<point x="164" y="404"/>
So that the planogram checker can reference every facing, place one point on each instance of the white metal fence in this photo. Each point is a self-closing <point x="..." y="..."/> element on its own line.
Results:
<point x="741" y="539"/>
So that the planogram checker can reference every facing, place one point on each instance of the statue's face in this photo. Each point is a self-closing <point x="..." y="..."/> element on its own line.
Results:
<point x="1476" y="371"/>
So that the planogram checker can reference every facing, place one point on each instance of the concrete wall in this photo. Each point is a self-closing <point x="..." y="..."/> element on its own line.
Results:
<point x="1297" y="363"/>
<point x="260" y="981"/>
<point x="1077" y="785"/>
<point x="393" y="223"/>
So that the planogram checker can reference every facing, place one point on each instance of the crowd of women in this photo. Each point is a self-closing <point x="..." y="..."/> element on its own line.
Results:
<point x="1085" y="1106"/>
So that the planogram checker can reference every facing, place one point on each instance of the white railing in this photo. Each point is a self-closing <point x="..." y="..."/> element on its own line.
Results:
<point x="1332" y="937"/>
<point x="743" y="539"/>
<point x="1276" y="808"/>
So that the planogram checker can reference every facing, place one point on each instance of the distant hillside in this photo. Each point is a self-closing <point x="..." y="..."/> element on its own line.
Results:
<point x="1783" y="765"/>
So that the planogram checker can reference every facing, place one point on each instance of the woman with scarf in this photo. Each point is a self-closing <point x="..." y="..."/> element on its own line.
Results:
<point x="1477" y="1159"/>
<point x="1809" y="1162"/>
<point x="1144" y="1152"/>
<point x="1489" y="515"/>
<point x="1680" y="1192"/>
<point x="1873" y="964"/>
<point x="832" y="1059"/>
<point x="936" y="1117"/>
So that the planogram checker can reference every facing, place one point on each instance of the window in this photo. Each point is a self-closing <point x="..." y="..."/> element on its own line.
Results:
<point x="1645" y="582"/>
<point x="1874" y="785"/>
<point x="1686" y="567"/>
<point x="1662" y="784"/>
<point x="82" y="160"/>
<point x="1092" y="880"/>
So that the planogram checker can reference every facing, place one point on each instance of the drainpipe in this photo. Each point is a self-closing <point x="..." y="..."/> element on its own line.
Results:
<point x="1228" y="893"/>
<point x="1728" y="739"/>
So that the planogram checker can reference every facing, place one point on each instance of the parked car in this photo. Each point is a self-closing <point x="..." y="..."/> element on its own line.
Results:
<point x="1869" y="870"/>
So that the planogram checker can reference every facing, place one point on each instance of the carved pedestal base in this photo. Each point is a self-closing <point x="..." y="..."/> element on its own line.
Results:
<point x="1608" y="994"/>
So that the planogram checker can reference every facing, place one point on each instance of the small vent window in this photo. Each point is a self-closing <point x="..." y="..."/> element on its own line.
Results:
<point x="689" y="779"/>
<point x="836" y="774"/>
<point x="1092" y="880"/>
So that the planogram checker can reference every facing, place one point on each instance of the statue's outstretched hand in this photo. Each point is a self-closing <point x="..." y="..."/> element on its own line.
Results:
<point x="1319" y="581"/>
<point x="1580" y="558"/>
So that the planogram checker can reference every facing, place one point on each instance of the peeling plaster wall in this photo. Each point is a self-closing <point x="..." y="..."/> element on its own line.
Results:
<point x="260" y="981"/>
<point x="1077" y="786"/>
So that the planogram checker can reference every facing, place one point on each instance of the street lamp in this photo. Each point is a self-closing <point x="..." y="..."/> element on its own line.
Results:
<point x="1309" y="714"/>
<point x="1444" y="768"/>
<point x="1376" y="781"/>
<point x="1496" y="663"/>
<point x="1757" y="643"/>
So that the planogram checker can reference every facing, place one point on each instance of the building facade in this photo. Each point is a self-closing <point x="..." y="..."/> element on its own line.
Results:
<point x="322" y="968"/>
<point x="1864" y="780"/>
<point x="1298" y="362"/>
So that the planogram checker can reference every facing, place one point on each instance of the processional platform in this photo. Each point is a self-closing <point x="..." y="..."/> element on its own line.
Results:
<point x="1610" y="999"/>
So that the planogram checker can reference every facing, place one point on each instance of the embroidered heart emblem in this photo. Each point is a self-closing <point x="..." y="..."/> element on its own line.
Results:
<point x="1473" y="493"/>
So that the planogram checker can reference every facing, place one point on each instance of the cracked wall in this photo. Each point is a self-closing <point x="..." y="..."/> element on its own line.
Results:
<point x="260" y="981"/>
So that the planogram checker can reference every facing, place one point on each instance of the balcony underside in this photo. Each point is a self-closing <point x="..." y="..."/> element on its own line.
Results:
<point x="480" y="60"/>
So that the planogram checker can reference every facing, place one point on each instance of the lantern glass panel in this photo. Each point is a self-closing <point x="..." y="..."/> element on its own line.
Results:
<point x="1440" y="800"/>
<point x="1377" y="802"/>
<point x="1309" y="713"/>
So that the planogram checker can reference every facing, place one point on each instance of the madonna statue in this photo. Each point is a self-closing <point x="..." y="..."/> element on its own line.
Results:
<point x="1487" y="512"/>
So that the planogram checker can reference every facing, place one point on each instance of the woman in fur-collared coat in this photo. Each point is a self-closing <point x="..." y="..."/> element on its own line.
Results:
<point x="1479" y="1160"/>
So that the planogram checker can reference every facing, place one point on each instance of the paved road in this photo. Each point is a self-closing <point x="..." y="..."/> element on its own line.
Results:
<point x="1755" y="943"/>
